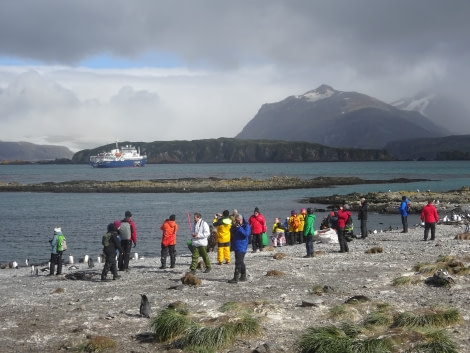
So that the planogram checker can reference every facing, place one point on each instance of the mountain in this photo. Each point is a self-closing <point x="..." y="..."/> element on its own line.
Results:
<point x="442" y="110"/>
<point x="338" y="119"/>
<point x="25" y="151"/>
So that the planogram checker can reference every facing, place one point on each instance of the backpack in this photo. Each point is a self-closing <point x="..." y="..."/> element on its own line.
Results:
<point x="295" y="223"/>
<point x="106" y="239"/>
<point x="408" y="207"/>
<point x="349" y="223"/>
<point x="125" y="231"/>
<point x="61" y="243"/>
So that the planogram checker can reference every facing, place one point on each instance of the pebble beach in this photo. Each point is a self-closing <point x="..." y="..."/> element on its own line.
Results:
<point x="62" y="313"/>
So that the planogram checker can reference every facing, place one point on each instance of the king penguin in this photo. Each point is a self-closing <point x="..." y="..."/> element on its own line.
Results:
<point x="144" y="306"/>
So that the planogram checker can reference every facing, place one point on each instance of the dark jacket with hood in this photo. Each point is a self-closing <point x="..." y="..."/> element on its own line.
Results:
<point x="110" y="241"/>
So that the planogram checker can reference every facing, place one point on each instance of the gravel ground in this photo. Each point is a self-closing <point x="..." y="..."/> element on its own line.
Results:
<point x="52" y="313"/>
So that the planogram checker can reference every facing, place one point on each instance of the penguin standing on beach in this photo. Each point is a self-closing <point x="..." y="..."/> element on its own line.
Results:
<point x="144" y="306"/>
<point x="91" y="264"/>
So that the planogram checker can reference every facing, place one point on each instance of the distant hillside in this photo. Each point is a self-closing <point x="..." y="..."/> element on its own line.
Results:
<point x="226" y="150"/>
<point x="444" y="148"/>
<point x="442" y="110"/>
<point x="338" y="119"/>
<point x="25" y="151"/>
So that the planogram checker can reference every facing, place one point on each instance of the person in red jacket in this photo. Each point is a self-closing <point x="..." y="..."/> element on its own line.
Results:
<point x="430" y="217"/>
<point x="169" y="228"/>
<point x="343" y="215"/>
<point x="258" y="227"/>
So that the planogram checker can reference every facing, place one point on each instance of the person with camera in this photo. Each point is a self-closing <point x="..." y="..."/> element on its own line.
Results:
<point x="240" y="234"/>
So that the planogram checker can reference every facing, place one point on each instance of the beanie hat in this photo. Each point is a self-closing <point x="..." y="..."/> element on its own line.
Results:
<point x="117" y="224"/>
<point x="303" y="211"/>
<point x="293" y="212"/>
<point x="172" y="217"/>
<point x="128" y="214"/>
<point x="256" y="210"/>
<point x="309" y="210"/>
<point x="226" y="213"/>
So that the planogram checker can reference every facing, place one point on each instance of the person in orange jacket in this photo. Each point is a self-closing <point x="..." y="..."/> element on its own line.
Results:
<point x="430" y="217"/>
<point x="169" y="228"/>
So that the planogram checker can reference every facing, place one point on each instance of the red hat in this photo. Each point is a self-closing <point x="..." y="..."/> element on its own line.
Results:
<point x="117" y="224"/>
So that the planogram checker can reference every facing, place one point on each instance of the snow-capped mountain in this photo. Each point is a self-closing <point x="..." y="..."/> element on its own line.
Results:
<point x="338" y="119"/>
<point x="443" y="111"/>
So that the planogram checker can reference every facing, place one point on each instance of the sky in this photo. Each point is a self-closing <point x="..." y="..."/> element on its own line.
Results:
<point x="86" y="73"/>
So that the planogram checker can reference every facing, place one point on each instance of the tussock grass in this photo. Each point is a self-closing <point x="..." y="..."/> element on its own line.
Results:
<point x="351" y="329"/>
<point x="375" y="319"/>
<point x="371" y="345"/>
<point x="406" y="281"/>
<point x="99" y="344"/>
<point x="170" y="324"/>
<point x="445" y="258"/>
<point x="437" y="341"/>
<point x="317" y="289"/>
<point x="431" y="318"/>
<point x="339" y="311"/>
<point x="324" y="339"/>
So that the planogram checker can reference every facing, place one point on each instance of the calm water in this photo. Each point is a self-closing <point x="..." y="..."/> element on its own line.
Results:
<point x="29" y="218"/>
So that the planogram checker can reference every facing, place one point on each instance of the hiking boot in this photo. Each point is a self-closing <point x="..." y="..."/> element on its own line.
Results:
<point x="116" y="277"/>
<point x="207" y="270"/>
<point x="307" y="256"/>
<point x="235" y="278"/>
<point x="162" y="267"/>
<point x="242" y="277"/>
<point x="172" y="266"/>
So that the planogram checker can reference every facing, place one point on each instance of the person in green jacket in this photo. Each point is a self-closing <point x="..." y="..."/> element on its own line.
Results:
<point x="309" y="230"/>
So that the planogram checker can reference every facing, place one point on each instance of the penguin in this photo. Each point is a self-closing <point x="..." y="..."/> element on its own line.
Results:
<point x="73" y="267"/>
<point x="26" y="262"/>
<point x="33" y="270"/>
<point x="91" y="264"/>
<point x="144" y="306"/>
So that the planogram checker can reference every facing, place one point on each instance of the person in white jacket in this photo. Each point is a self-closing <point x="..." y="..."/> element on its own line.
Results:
<point x="200" y="234"/>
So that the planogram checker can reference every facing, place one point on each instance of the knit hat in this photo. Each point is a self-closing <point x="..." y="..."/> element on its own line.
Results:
<point x="226" y="213"/>
<point x="117" y="224"/>
<point x="172" y="217"/>
<point x="293" y="212"/>
<point x="303" y="211"/>
<point x="128" y="214"/>
<point x="256" y="210"/>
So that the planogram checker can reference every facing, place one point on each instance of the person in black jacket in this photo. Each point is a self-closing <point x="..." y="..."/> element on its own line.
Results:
<point x="110" y="244"/>
<point x="362" y="216"/>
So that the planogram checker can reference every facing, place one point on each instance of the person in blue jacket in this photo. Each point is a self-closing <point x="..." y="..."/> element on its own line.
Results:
<point x="404" y="213"/>
<point x="239" y="236"/>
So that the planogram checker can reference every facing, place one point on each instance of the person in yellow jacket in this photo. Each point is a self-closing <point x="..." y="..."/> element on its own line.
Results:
<point x="301" y="216"/>
<point x="223" y="223"/>
<point x="294" y="223"/>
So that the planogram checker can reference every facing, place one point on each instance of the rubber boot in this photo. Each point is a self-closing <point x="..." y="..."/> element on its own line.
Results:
<point x="163" y="261"/>
<point x="243" y="275"/>
<point x="236" y="275"/>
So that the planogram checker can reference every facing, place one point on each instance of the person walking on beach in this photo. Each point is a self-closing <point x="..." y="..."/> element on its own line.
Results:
<point x="110" y="243"/>
<point x="169" y="228"/>
<point x="404" y="208"/>
<point x="343" y="215"/>
<point x="309" y="231"/>
<point x="362" y="216"/>
<point x="223" y="222"/>
<point x="430" y="217"/>
<point x="258" y="227"/>
<point x="240" y="234"/>
<point x="199" y="243"/>
<point x="128" y="234"/>
<point x="56" y="251"/>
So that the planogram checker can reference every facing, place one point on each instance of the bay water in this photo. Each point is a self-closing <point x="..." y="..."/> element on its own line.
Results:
<point x="29" y="218"/>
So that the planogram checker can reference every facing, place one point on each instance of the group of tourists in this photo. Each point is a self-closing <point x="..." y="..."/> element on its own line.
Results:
<point x="233" y="233"/>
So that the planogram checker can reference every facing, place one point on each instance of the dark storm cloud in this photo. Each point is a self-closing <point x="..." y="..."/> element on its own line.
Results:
<point x="226" y="33"/>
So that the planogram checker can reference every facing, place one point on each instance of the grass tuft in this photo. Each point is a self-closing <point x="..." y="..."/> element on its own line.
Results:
<point x="324" y="339"/>
<point x="437" y="341"/>
<point x="444" y="258"/>
<point x="372" y="345"/>
<point x="170" y="324"/>
<point x="432" y="318"/>
<point x="99" y="344"/>
<point x="351" y="329"/>
<point x="375" y="319"/>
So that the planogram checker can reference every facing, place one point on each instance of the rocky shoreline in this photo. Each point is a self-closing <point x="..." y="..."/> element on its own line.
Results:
<point x="65" y="313"/>
<point x="447" y="203"/>
<point x="190" y="185"/>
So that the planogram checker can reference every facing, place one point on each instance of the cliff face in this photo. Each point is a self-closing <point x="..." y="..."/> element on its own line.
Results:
<point x="225" y="150"/>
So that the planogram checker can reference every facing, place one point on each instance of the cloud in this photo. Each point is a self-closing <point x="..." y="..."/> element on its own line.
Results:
<point x="77" y="73"/>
